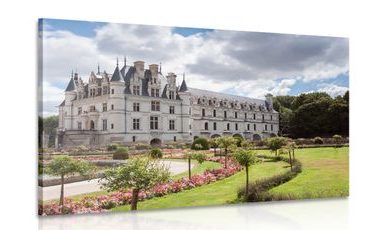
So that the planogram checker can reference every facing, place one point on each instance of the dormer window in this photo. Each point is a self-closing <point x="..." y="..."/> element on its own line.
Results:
<point x="155" y="92"/>
<point x="136" y="90"/>
<point x="172" y="95"/>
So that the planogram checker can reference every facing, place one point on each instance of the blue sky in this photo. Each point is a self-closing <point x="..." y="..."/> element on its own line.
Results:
<point x="243" y="63"/>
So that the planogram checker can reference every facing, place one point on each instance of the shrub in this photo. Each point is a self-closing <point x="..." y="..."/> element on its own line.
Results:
<point x="238" y="141"/>
<point x="156" y="153"/>
<point x="338" y="139"/>
<point x="202" y="142"/>
<point x="318" y="141"/>
<point x="246" y="144"/>
<point x="121" y="153"/>
<point x="257" y="190"/>
<point x="142" y="146"/>
<point x="112" y="147"/>
<point x="259" y="143"/>
<point x="304" y="141"/>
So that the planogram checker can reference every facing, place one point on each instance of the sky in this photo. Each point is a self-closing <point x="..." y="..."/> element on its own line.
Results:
<point x="242" y="63"/>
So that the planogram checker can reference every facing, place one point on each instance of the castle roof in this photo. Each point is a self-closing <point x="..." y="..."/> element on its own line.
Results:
<point x="183" y="86"/>
<point x="71" y="85"/>
<point x="223" y="96"/>
<point x="117" y="76"/>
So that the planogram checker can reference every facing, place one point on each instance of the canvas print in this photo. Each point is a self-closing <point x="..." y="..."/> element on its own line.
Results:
<point x="140" y="117"/>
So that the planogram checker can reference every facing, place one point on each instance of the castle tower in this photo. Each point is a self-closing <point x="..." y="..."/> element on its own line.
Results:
<point x="184" y="95"/>
<point x="70" y="95"/>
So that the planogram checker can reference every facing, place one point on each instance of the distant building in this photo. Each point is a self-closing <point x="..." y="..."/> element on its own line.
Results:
<point x="138" y="105"/>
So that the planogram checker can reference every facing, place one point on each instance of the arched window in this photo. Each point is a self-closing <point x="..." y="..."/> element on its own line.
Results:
<point x="92" y="125"/>
<point x="206" y="126"/>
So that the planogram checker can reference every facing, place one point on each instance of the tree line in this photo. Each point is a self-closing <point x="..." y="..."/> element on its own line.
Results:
<point x="49" y="125"/>
<point x="313" y="114"/>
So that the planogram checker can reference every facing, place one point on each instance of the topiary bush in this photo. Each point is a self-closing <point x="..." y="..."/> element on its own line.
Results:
<point x="200" y="144"/>
<point x="112" y="147"/>
<point x="121" y="153"/>
<point x="156" y="153"/>
<point x="318" y="141"/>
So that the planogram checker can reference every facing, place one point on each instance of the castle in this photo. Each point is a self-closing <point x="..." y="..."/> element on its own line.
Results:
<point x="138" y="105"/>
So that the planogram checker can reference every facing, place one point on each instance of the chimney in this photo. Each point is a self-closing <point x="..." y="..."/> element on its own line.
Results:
<point x="139" y="66"/>
<point x="153" y="69"/>
<point x="269" y="99"/>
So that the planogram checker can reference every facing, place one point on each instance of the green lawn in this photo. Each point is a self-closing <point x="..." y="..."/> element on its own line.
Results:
<point x="220" y="192"/>
<point x="198" y="168"/>
<point x="325" y="174"/>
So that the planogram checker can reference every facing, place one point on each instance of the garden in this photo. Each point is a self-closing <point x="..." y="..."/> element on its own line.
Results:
<point x="224" y="170"/>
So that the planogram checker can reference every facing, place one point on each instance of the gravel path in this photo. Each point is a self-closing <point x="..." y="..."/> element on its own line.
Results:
<point x="53" y="192"/>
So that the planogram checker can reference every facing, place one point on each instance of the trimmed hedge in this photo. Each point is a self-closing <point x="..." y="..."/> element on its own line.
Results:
<point x="258" y="190"/>
<point x="200" y="144"/>
<point x="121" y="153"/>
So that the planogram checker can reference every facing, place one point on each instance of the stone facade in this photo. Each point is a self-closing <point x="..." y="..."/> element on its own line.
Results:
<point x="138" y="105"/>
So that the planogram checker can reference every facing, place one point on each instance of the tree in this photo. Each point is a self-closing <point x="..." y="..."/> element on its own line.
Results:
<point x="213" y="143"/>
<point x="275" y="143"/>
<point x="66" y="166"/>
<point x="312" y="114"/>
<point x="49" y="125"/>
<point x="199" y="157"/>
<point x="138" y="174"/>
<point x="246" y="158"/>
<point x="291" y="145"/>
<point x="228" y="143"/>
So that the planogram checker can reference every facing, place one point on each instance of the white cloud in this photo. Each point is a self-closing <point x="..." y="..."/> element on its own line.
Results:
<point x="333" y="90"/>
<point x="51" y="97"/>
<point x="250" y="64"/>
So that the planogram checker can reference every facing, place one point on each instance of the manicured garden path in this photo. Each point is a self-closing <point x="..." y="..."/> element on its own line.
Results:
<point x="220" y="192"/>
<point x="176" y="167"/>
<point x="325" y="174"/>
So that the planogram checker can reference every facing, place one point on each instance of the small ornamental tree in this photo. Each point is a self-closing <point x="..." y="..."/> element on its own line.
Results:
<point x="67" y="166"/>
<point x="246" y="158"/>
<point x="199" y="157"/>
<point x="275" y="143"/>
<point x="156" y="153"/>
<point x="213" y="143"/>
<point x="228" y="143"/>
<point x="291" y="145"/>
<point x="138" y="174"/>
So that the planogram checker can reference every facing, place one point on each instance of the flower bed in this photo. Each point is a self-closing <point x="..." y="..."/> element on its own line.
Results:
<point x="105" y="202"/>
